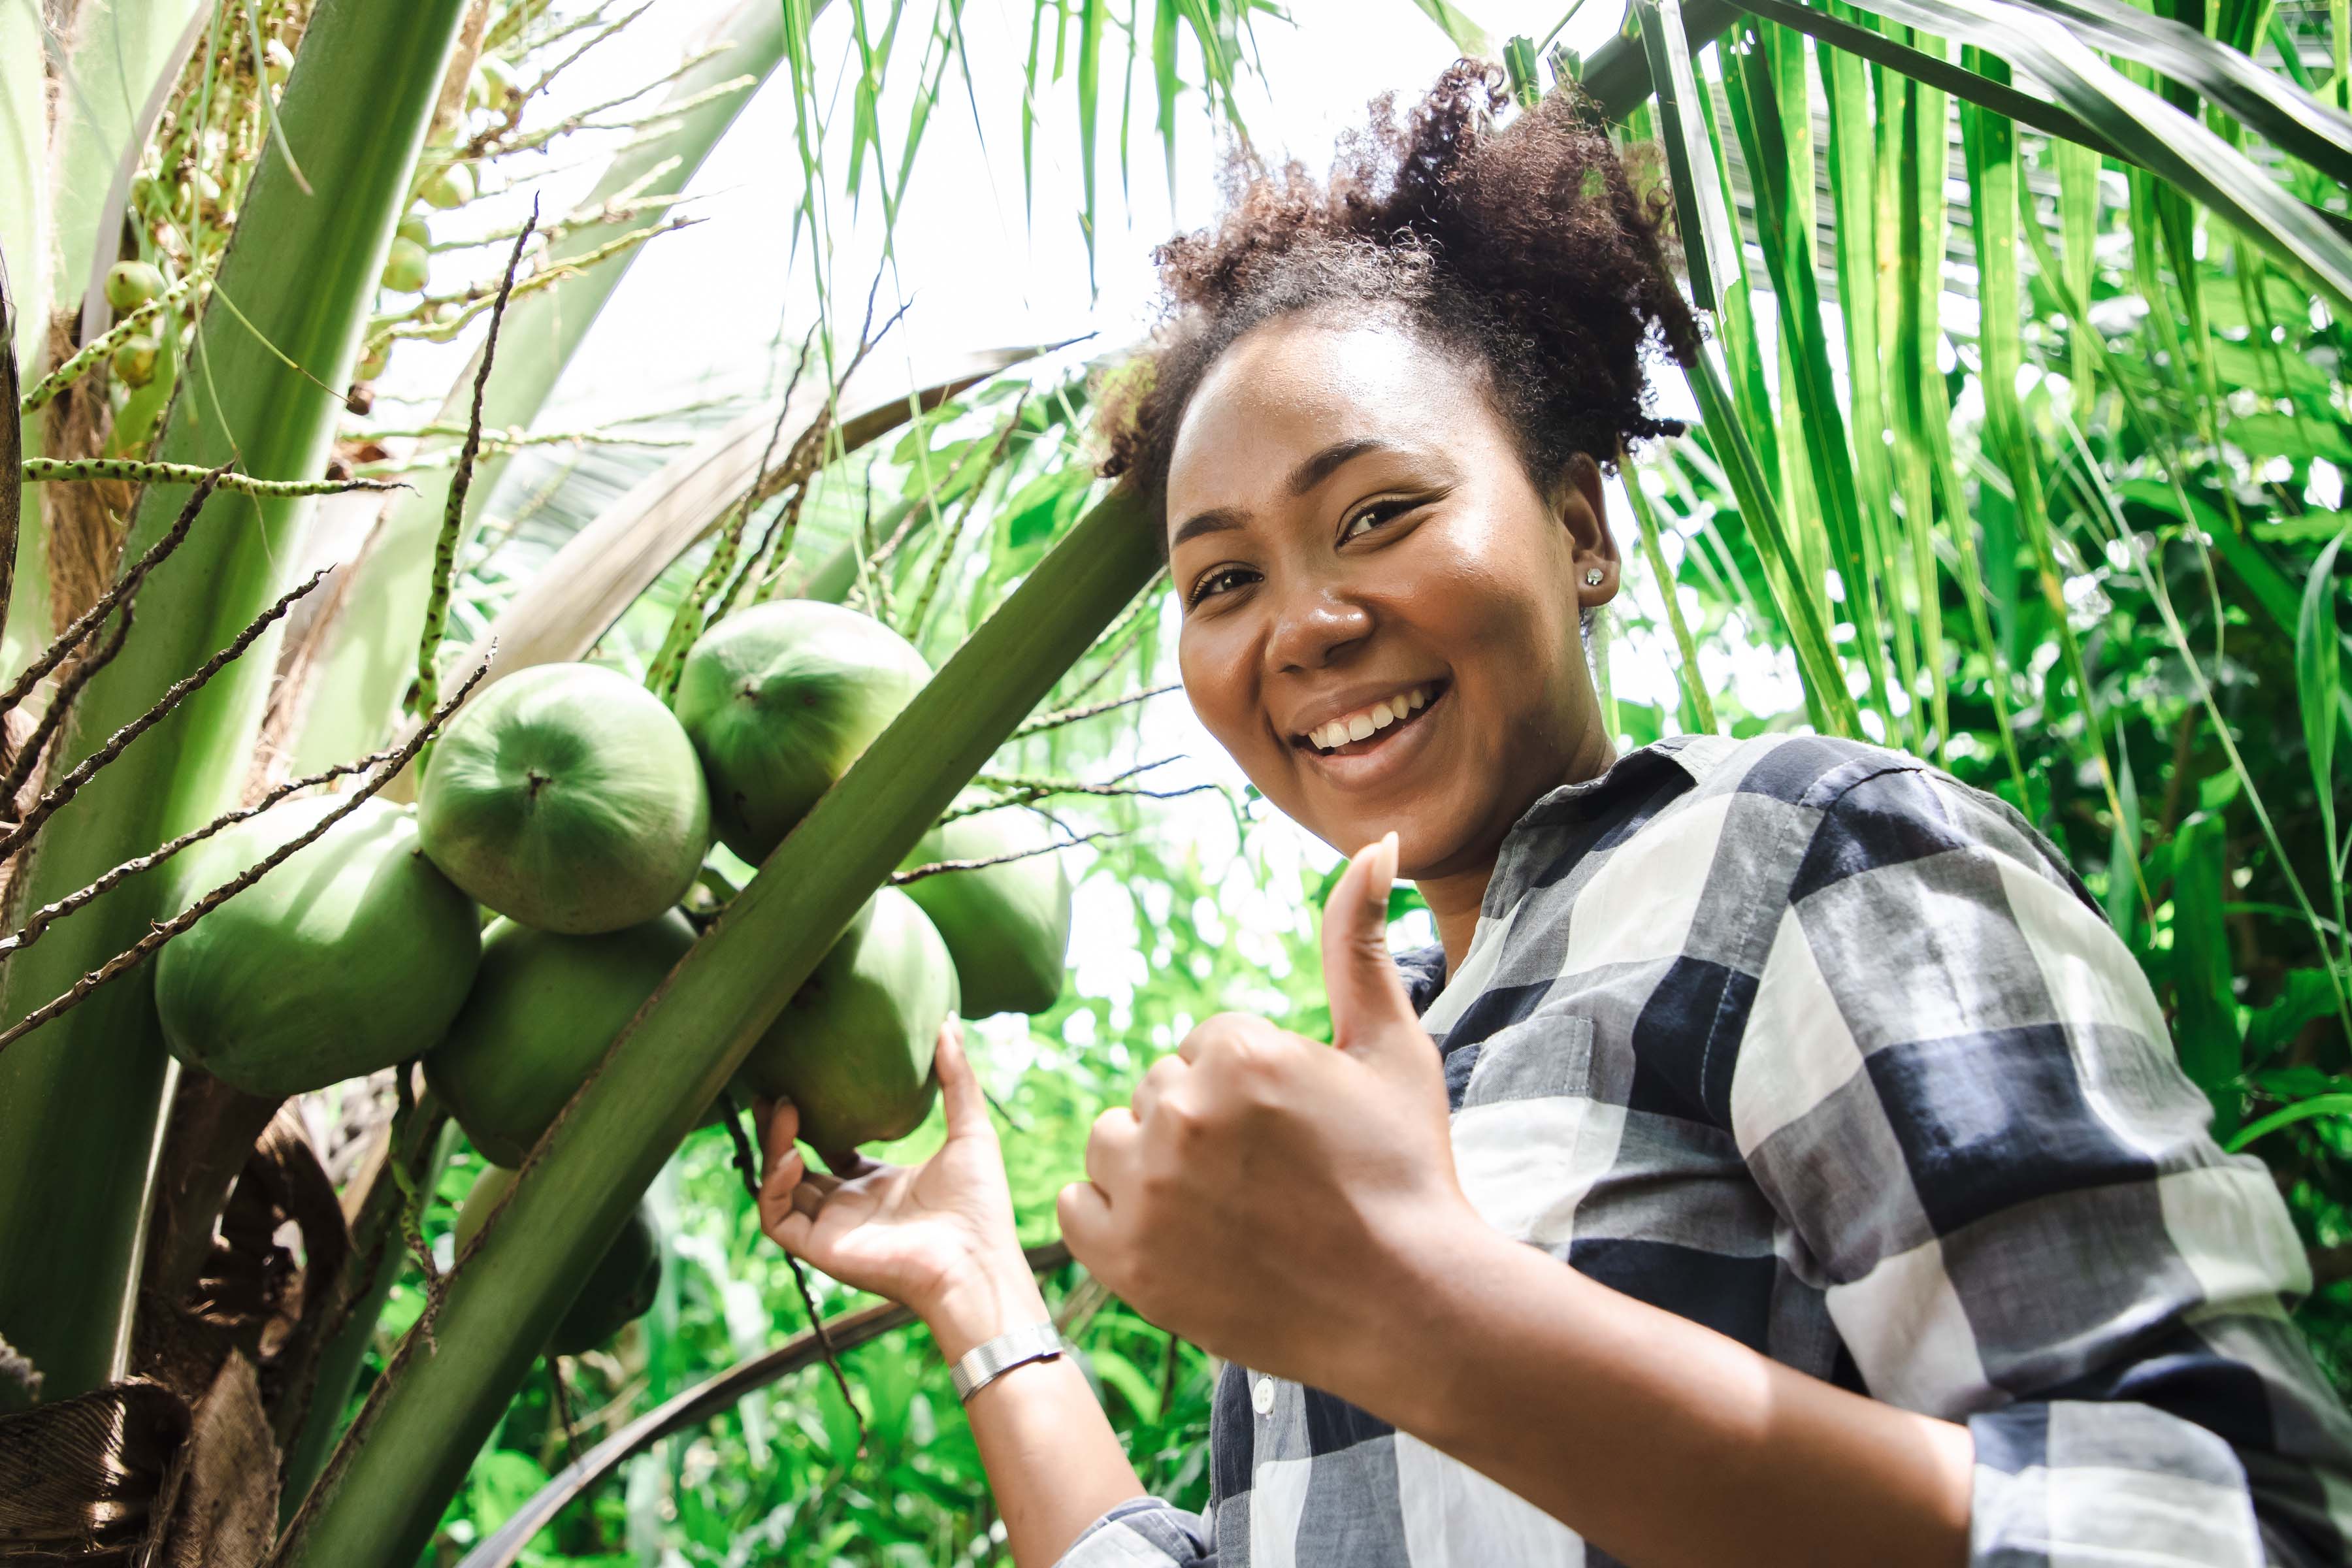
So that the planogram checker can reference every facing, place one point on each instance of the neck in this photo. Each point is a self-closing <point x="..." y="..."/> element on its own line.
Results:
<point x="1453" y="901"/>
<point x="1453" y="898"/>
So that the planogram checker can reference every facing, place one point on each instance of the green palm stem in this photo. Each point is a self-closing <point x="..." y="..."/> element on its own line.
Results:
<point x="369" y="657"/>
<point x="1645" y="517"/>
<point x="81" y="1099"/>
<point x="1759" y="82"/>
<point x="414" y="1442"/>
<point x="1854" y="190"/>
<point x="430" y="1138"/>
<point x="1993" y="180"/>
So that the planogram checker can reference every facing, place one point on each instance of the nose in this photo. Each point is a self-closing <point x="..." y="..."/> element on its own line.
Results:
<point x="1315" y="622"/>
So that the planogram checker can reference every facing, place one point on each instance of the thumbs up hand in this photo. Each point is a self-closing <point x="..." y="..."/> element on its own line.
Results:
<point x="1273" y="1199"/>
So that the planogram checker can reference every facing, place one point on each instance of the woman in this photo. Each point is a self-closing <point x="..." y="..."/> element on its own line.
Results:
<point x="1891" y="1232"/>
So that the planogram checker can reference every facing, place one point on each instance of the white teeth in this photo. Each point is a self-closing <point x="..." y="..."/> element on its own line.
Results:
<point x="1360" y="725"/>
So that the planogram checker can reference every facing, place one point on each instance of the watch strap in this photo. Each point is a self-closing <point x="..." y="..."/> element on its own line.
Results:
<point x="985" y="1362"/>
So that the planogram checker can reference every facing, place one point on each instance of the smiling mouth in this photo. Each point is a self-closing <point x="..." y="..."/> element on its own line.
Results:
<point x="1366" y="729"/>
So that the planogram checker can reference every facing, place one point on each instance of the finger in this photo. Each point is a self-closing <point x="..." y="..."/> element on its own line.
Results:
<point x="1112" y="1148"/>
<point x="1371" y="1013"/>
<point x="1165" y="1075"/>
<point x="779" y="1123"/>
<point x="961" y="1099"/>
<point x="1086" y="1219"/>
<point x="778" y="1182"/>
<point x="815" y="1187"/>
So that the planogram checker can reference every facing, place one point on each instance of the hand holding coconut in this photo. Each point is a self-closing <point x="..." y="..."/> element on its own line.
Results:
<point x="936" y="1237"/>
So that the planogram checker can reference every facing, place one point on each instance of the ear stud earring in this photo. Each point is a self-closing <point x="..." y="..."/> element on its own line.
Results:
<point x="1592" y="577"/>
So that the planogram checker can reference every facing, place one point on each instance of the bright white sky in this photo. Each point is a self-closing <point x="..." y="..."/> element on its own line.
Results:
<point x="702" y="308"/>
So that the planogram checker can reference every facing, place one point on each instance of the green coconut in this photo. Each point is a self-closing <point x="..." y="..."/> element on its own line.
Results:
<point x="1007" y="926"/>
<point x="451" y="186"/>
<point x="617" y="1291"/>
<point x="131" y="284"/>
<point x="543" y="1010"/>
<point x="351" y="955"/>
<point x="853" y="1048"/>
<point x="567" y="797"/>
<point x="406" y="267"/>
<point x="134" y="360"/>
<point x="780" y="699"/>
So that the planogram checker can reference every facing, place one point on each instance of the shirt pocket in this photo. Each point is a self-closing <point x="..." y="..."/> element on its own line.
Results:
<point x="1521" y="1132"/>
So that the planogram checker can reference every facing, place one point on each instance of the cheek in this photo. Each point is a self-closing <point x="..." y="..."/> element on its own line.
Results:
<point x="1215" y="663"/>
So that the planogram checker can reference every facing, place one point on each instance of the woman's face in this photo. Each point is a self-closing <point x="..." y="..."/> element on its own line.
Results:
<point x="1381" y="610"/>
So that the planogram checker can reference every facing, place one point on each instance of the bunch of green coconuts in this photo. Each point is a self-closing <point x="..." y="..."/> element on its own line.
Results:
<point x="573" y="805"/>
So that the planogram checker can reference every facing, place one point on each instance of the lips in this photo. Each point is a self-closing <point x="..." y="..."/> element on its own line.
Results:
<point x="1347" y="730"/>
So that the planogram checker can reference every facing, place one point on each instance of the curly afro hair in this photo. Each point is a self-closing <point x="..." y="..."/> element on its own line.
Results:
<point x="1522" y="245"/>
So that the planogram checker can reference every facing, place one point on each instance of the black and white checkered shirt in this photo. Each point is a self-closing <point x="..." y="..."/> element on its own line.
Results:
<point x="1814" y="1045"/>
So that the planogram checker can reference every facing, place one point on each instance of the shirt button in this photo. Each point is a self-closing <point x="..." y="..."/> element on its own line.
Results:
<point x="1262" y="1395"/>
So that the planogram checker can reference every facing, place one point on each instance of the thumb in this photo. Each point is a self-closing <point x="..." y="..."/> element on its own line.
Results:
<point x="965" y="1108"/>
<point x="1370" y="1011"/>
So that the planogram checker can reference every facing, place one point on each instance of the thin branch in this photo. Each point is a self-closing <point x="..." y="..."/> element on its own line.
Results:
<point x="427" y="693"/>
<point x="70" y="785"/>
<point x="1055" y="719"/>
<point x="21" y="766"/>
<point x="102" y="347"/>
<point x="692" y="617"/>
<point x="164" y="930"/>
<point x="748" y="1167"/>
<point x="120" y="590"/>
<point x="538" y="140"/>
<point x="938" y="868"/>
<point x="49" y="914"/>
<point x="45" y="471"/>
<point x="952" y="534"/>
<point x="416" y="324"/>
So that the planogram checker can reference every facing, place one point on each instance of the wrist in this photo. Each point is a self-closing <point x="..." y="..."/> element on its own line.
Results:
<point x="993" y="1295"/>
<point x="1399" y="1363"/>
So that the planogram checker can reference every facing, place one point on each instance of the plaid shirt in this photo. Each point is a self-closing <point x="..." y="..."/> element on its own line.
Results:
<point x="1817" y="1047"/>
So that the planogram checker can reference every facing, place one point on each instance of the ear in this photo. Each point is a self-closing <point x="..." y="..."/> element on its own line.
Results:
<point x="1581" y="505"/>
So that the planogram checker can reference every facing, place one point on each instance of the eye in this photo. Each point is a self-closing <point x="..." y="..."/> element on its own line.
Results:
<point x="1219" y="580"/>
<point x="1367" y="517"/>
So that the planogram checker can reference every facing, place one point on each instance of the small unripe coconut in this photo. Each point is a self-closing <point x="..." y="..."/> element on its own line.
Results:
<point x="277" y="62"/>
<point x="131" y="284"/>
<point x="619" y="1290"/>
<point x="134" y="361"/>
<point x="414" y="229"/>
<point x="406" y="267"/>
<point x="350" y="957"/>
<point x="1007" y="926"/>
<point x="567" y="797"/>
<point x="853" y="1048"/>
<point x="492" y="85"/>
<point x="372" y="364"/>
<point x="452" y="185"/>
<point x="780" y="699"/>
<point x="543" y="1011"/>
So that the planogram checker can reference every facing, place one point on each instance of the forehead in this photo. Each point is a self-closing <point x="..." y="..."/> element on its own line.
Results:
<point x="1293" y="386"/>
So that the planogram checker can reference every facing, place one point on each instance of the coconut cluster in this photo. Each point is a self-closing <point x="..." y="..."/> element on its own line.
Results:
<point x="572" y="810"/>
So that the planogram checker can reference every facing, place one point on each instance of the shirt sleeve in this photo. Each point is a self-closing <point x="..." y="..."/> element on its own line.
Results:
<point x="1143" y="1533"/>
<point x="1960" y="1095"/>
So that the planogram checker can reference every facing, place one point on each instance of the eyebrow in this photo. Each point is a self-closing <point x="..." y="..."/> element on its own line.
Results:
<point x="1313" y="472"/>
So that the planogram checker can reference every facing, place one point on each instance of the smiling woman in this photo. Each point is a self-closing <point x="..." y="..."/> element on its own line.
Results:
<point x="1779" y="1160"/>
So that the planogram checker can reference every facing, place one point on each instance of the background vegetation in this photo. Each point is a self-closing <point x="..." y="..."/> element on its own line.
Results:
<point x="2020" y="444"/>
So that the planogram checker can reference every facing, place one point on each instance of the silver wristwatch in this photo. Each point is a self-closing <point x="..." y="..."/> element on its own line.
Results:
<point x="984" y="1364"/>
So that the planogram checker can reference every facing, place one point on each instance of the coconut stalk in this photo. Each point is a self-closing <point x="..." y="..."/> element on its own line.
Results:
<point x="411" y="1447"/>
<point x="571" y="603"/>
<point x="371" y="649"/>
<point x="80" y="1100"/>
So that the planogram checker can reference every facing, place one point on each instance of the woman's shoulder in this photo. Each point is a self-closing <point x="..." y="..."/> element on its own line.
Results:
<point x="1826" y="807"/>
